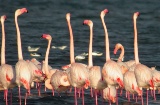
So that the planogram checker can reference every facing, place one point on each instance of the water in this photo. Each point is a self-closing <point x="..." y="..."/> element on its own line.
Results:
<point x="48" y="16"/>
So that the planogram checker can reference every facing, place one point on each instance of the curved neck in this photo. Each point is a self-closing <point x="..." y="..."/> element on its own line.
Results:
<point x="122" y="53"/>
<point x="3" y="45"/>
<point x="90" y="61"/>
<point x="106" y="40"/>
<point x="20" y="57"/>
<point x="46" y="58"/>
<point x="72" y="60"/>
<point x="135" y="42"/>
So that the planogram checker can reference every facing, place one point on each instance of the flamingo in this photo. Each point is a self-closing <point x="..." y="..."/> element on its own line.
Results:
<point x="95" y="75"/>
<point x="111" y="70"/>
<point x="127" y="63"/>
<point x="130" y="83"/>
<point x="55" y="79"/>
<point x="48" y="72"/>
<point x="23" y="73"/>
<point x="59" y="81"/>
<point x="123" y="65"/>
<point x="109" y="93"/>
<point x="7" y="73"/>
<point x="143" y="73"/>
<point x="77" y="73"/>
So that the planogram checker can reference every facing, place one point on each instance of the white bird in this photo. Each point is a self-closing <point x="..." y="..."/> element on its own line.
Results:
<point x="96" y="53"/>
<point x="59" y="47"/>
<point x="35" y="54"/>
<point x="80" y="57"/>
<point x="31" y="49"/>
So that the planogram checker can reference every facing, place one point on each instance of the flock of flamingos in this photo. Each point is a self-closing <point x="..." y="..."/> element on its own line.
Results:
<point x="132" y="76"/>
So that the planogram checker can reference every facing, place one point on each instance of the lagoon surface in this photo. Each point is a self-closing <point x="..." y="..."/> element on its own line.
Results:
<point x="48" y="16"/>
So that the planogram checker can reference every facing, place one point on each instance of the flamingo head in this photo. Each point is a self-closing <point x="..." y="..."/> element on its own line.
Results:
<point x="65" y="67"/>
<point x="46" y="36"/>
<point x="136" y="14"/>
<point x="3" y="18"/>
<point x="68" y="15"/>
<point x="21" y="11"/>
<point x="117" y="46"/>
<point x="88" y="22"/>
<point x="64" y="80"/>
<point x="104" y="12"/>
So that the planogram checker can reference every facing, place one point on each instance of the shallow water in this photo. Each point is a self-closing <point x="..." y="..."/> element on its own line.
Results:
<point x="48" y="16"/>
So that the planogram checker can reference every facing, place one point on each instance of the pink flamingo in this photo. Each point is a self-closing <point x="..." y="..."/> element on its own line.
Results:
<point x="95" y="75"/>
<point x="111" y="70"/>
<point x="127" y="64"/>
<point x="143" y="73"/>
<point x="109" y="93"/>
<point x="130" y="84"/>
<point x="55" y="79"/>
<point x="23" y="73"/>
<point x="48" y="72"/>
<point x="123" y="65"/>
<point x="7" y="73"/>
<point x="77" y="73"/>
<point x="59" y="81"/>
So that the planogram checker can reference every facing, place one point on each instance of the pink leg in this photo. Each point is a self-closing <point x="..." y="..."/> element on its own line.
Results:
<point x="147" y="97"/>
<point x="95" y="92"/>
<point x="82" y="96"/>
<point x="121" y="92"/>
<point x="154" y="94"/>
<point x="39" y="91"/>
<point x="52" y="92"/>
<point x="70" y="89"/>
<point x="136" y="99"/>
<point x="116" y="96"/>
<point x="6" y="96"/>
<point x="19" y="89"/>
<point x="91" y="92"/>
<point x="128" y="96"/>
<point x="26" y="99"/>
<point x="142" y="99"/>
<point x="151" y="93"/>
<point x="133" y="95"/>
<point x="75" y="95"/>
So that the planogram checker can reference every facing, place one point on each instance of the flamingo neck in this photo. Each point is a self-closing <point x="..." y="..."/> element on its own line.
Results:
<point x="3" y="45"/>
<point x="20" y="57"/>
<point x="72" y="60"/>
<point x="135" y="42"/>
<point x="46" y="58"/>
<point x="90" y="61"/>
<point x="106" y="40"/>
<point x="122" y="53"/>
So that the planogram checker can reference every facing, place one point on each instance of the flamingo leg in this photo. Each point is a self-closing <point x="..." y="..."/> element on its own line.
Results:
<point x="6" y="96"/>
<point x="75" y="95"/>
<point x="82" y="96"/>
<point x="117" y="96"/>
<point x="95" y="91"/>
<point x="128" y="96"/>
<point x="53" y="92"/>
<point x="39" y="91"/>
<point x="19" y="91"/>
<point x="147" y="97"/>
<point x="154" y="94"/>
<point x="91" y="92"/>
